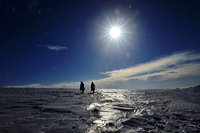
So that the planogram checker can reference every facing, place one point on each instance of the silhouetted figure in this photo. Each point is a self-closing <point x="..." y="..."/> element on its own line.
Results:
<point x="82" y="88"/>
<point x="93" y="87"/>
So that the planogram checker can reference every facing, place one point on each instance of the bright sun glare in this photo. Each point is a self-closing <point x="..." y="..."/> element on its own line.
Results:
<point x="115" y="32"/>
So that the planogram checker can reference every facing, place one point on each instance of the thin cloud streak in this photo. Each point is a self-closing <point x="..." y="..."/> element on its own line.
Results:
<point x="54" y="47"/>
<point x="171" y="73"/>
<point x="175" y="66"/>
<point x="27" y="86"/>
<point x="161" y="64"/>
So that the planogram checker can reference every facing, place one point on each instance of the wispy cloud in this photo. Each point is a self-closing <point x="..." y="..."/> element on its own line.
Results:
<point x="28" y="86"/>
<point x="168" y="68"/>
<point x="54" y="47"/>
<point x="173" y="66"/>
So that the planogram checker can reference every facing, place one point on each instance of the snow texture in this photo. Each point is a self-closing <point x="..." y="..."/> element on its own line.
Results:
<point x="47" y="110"/>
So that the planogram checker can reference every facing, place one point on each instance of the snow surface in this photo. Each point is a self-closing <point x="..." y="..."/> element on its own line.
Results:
<point x="25" y="110"/>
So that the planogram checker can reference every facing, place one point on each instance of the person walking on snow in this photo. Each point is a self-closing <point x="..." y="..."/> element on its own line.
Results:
<point x="82" y="88"/>
<point x="93" y="87"/>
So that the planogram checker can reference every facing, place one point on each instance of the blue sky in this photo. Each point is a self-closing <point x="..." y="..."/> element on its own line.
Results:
<point x="59" y="44"/>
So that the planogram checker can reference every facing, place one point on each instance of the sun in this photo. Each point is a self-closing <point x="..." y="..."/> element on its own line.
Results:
<point x="115" y="32"/>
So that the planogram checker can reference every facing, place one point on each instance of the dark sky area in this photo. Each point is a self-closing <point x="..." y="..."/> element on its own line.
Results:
<point x="61" y="41"/>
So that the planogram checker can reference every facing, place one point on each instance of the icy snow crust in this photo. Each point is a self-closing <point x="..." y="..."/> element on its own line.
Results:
<point x="28" y="110"/>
